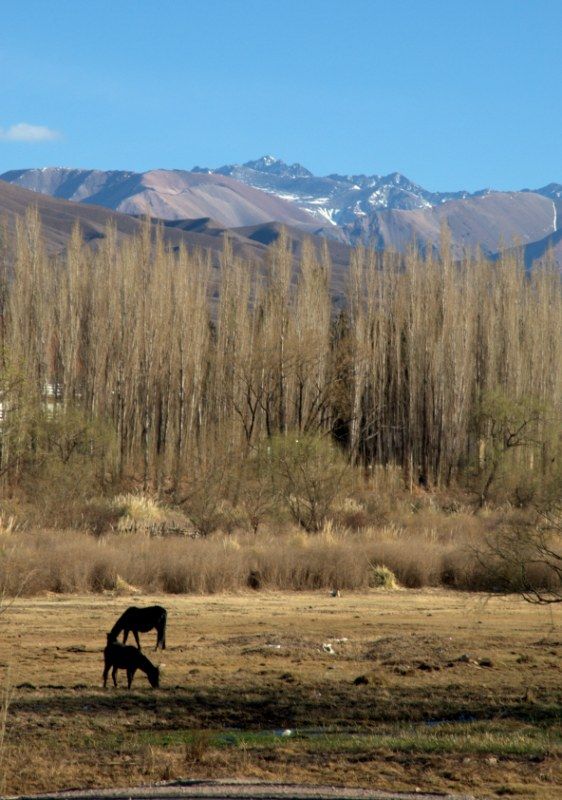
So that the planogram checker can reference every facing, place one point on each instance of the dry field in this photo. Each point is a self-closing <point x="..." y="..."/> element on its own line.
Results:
<point x="457" y="692"/>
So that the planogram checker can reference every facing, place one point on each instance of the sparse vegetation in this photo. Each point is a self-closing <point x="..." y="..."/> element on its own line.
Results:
<point x="426" y="549"/>
<point x="239" y="673"/>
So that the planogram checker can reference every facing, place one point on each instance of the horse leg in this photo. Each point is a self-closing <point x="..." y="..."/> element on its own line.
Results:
<point x="114" y="676"/>
<point x="130" y="676"/>
<point x="136" y="635"/>
<point x="105" y="674"/>
<point x="161" y="633"/>
<point x="125" y="635"/>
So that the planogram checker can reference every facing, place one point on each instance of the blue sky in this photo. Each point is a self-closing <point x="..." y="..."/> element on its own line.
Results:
<point x="453" y="94"/>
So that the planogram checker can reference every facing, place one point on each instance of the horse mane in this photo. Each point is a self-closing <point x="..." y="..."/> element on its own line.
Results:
<point x="118" y="627"/>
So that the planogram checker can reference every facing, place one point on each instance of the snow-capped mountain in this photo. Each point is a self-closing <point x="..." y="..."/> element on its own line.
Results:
<point x="391" y="210"/>
<point x="381" y="211"/>
<point x="337" y="199"/>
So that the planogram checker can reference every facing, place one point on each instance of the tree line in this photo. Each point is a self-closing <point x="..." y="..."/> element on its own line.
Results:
<point x="143" y="358"/>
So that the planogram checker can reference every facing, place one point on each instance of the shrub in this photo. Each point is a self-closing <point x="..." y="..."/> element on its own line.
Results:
<point x="351" y="514"/>
<point x="197" y="746"/>
<point x="103" y="575"/>
<point x="309" y="474"/>
<point x="382" y="577"/>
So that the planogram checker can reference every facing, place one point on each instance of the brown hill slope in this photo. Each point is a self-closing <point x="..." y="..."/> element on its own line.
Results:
<point x="58" y="218"/>
<point x="166" y="194"/>
<point x="549" y="248"/>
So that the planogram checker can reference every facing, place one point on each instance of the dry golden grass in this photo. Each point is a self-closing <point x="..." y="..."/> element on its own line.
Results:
<point x="287" y="559"/>
<point x="241" y="667"/>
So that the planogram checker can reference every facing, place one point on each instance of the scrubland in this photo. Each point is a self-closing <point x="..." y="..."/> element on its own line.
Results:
<point x="432" y="550"/>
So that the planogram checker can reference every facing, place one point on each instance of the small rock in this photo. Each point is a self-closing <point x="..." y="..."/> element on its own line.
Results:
<point x="491" y="760"/>
<point x="361" y="680"/>
<point x="327" y="648"/>
<point x="464" y="659"/>
<point x="485" y="662"/>
<point x="423" y="665"/>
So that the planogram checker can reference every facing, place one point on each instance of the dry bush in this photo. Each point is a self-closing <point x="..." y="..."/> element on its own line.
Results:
<point x="98" y="516"/>
<point x="197" y="747"/>
<point x="382" y="578"/>
<point x="421" y="548"/>
<point x="350" y="513"/>
<point x="62" y="561"/>
<point x="256" y="496"/>
<point x="124" y="513"/>
<point x="71" y="561"/>
<point x="103" y="574"/>
<point x="138" y="512"/>
<point x="207" y="492"/>
<point x="309" y="475"/>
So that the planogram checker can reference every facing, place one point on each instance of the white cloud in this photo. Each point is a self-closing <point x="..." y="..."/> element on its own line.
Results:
<point x="23" y="132"/>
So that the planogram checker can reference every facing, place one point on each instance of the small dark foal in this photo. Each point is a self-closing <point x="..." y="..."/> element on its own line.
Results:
<point x="120" y="656"/>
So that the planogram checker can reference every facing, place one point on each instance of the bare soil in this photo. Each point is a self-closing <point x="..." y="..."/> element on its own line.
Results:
<point x="242" y="790"/>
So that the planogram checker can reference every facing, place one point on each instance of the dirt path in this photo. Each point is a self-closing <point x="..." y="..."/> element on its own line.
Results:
<point x="240" y="790"/>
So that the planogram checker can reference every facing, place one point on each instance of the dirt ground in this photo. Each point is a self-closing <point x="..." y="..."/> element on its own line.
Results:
<point x="397" y="690"/>
<point x="241" y="790"/>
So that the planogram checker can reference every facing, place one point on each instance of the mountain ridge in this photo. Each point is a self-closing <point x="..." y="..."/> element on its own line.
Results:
<point x="388" y="211"/>
<point x="167" y="194"/>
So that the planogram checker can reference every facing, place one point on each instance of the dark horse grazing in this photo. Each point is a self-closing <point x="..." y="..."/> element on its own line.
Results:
<point x="120" y="656"/>
<point x="141" y="619"/>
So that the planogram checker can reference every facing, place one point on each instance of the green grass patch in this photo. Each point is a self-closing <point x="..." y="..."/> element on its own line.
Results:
<point x="443" y="738"/>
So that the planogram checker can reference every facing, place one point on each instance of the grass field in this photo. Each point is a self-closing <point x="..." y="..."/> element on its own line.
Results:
<point x="456" y="692"/>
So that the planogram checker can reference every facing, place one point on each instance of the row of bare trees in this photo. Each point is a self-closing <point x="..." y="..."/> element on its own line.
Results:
<point x="135" y="336"/>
